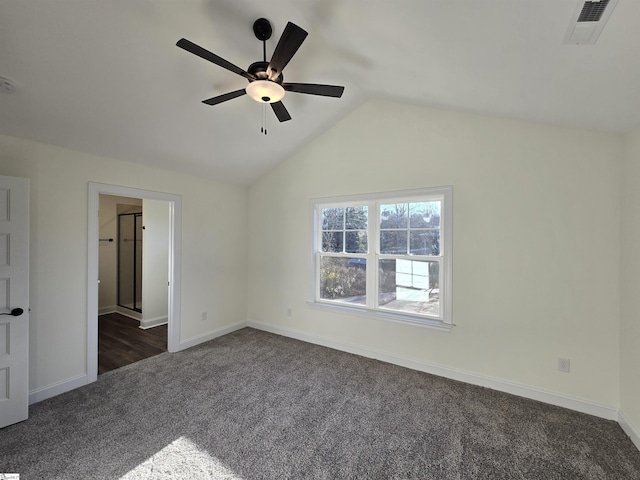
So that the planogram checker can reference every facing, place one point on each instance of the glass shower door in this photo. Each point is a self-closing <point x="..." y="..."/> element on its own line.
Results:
<point x="130" y="261"/>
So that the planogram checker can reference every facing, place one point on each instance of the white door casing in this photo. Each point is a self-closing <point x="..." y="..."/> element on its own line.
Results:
<point x="14" y="294"/>
<point x="174" y="267"/>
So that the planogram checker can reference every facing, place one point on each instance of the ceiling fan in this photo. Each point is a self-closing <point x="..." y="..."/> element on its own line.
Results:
<point x="266" y="83"/>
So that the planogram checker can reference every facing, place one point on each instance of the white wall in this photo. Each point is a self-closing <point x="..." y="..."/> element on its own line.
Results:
<point x="214" y="265"/>
<point x="155" y="262"/>
<point x="630" y="282"/>
<point x="536" y="243"/>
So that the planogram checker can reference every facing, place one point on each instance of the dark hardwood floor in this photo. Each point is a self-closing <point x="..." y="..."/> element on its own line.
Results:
<point x="121" y="341"/>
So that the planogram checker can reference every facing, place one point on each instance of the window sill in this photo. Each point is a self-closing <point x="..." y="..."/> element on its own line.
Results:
<point x="379" y="315"/>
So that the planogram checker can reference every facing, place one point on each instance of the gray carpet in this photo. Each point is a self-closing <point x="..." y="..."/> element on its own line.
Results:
<point x="252" y="405"/>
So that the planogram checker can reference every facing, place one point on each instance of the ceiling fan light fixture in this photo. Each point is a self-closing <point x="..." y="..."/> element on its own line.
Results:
<point x="265" y="91"/>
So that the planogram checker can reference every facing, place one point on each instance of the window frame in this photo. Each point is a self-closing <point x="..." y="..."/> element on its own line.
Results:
<point x="372" y="309"/>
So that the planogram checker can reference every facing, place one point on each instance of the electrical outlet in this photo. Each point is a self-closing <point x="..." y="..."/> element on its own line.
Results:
<point x="288" y="312"/>
<point x="203" y="317"/>
<point x="564" y="365"/>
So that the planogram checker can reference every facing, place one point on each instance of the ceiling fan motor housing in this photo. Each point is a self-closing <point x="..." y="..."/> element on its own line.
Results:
<point x="259" y="70"/>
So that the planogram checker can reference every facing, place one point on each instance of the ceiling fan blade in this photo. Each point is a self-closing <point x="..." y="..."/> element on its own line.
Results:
<point x="224" y="97"/>
<point x="314" y="89"/>
<point x="287" y="46"/>
<point x="212" y="57"/>
<point x="280" y="111"/>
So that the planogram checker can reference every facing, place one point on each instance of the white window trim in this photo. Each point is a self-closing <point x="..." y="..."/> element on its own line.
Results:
<point x="446" y="267"/>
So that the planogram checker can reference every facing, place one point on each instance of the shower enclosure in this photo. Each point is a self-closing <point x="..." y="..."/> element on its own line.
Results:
<point x="130" y="261"/>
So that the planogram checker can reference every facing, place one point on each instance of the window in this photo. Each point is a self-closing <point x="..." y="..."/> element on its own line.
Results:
<point x="389" y="254"/>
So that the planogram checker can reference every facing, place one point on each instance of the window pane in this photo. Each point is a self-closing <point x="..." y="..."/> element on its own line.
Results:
<point x="393" y="241"/>
<point x="424" y="215"/>
<point x="332" y="218"/>
<point x="425" y="242"/>
<point x="409" y="286"/>
<point x="394" y="215"/>
<point x="356" y="241"/>
<point x="411" y="240"/>
<point x="343" y="279"/>
<point x="332" y="242"/>
<point x="356" y="218"/>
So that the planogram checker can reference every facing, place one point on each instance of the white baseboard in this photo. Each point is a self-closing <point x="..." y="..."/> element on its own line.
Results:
<point x="57" y="388"/>
<point x="193" y="341"/>
<point x="572" y="403"/>
<point x="629" y="429"/>
<point x="553" y="398"/>
<point x="64" y="386"/>
<point x="105" y="310"/>
<point x="129" y="313"/>
<point x="153" y="322"/>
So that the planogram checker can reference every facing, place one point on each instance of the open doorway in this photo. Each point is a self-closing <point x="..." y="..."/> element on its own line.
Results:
<point x="155" y="314"/>
<point x="133" y="258"/>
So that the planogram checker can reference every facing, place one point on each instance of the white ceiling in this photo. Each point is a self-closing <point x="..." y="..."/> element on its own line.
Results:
<point x="105" y="76"/>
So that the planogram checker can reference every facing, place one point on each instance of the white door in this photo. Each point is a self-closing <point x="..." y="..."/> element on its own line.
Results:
<point x="14" y="297"/>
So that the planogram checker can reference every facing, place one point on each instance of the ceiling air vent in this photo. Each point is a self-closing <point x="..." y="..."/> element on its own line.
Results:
<point x="588" y="20"/>
<point x="592" y="11"/>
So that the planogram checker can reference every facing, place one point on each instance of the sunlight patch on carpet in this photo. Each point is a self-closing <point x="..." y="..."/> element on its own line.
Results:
<point x="181" y="459"/>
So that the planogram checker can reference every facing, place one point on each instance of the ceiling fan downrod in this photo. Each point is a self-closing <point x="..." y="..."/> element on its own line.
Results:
<point x="262" y="30"/>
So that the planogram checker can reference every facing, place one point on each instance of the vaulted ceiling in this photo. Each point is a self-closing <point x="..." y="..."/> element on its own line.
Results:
<point x="105" y="76"/>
